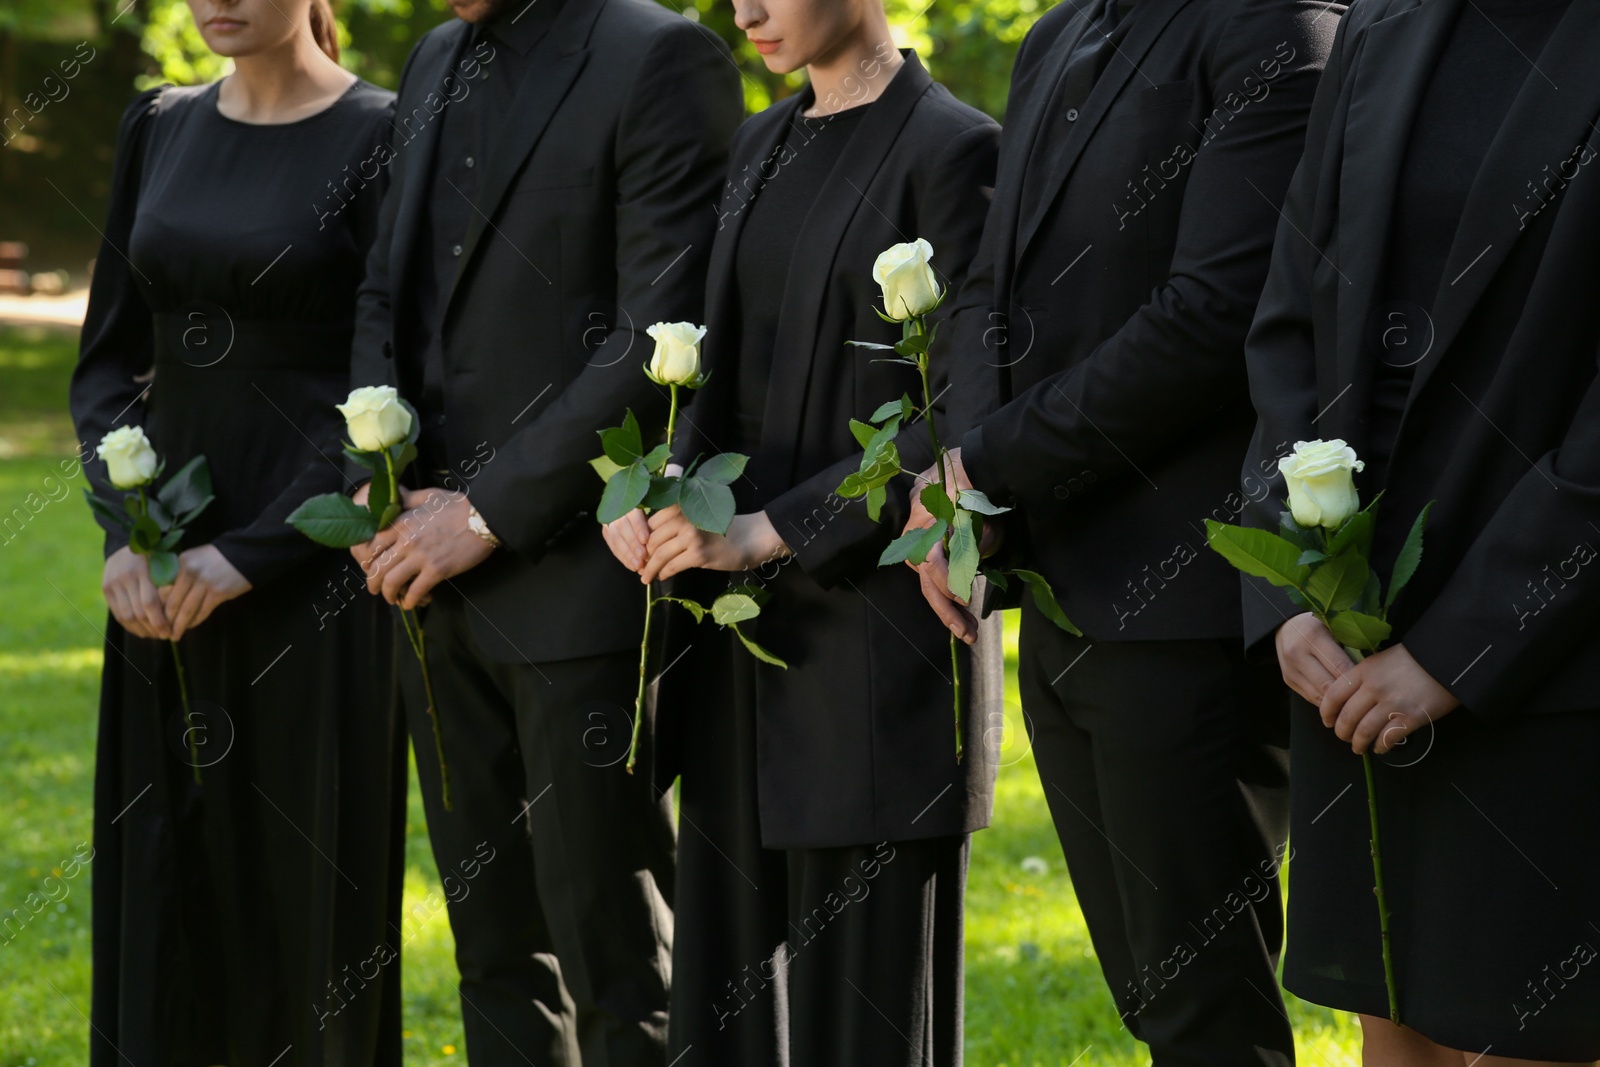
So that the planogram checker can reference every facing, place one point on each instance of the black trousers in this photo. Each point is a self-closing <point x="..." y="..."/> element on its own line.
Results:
<point x="1165" y="766"/>
<point x="556" y="864"/>
<point x="812" y="957"/>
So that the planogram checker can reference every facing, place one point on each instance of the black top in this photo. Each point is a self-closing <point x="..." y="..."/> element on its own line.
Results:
<point x="478" y="95"/>
<point x="1484" y="64"/>
<point x="804" y="159"/>
<point x="240" y="299"/>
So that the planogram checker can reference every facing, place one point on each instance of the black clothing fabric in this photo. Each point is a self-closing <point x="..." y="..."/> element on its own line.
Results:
<point x="499" y="53"/>
<point x="1165" y="767"/>
<point x="1501" y="429"/>
<point x="769" y="943"/>
<point x="856" y="739"/>
<point x="1473" y="86"/>
<point x="589" y="223"/>
<point x="555" y="861"/>
<point x="230" y="916"/>
<point x="767" y="247"/>
<point x="1097" y="342"/>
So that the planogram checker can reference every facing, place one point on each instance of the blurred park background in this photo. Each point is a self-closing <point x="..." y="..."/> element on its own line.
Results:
<point x="1034" y="994"/>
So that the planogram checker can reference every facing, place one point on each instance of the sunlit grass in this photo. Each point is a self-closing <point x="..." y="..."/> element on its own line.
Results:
<point x="1034" y="993"/>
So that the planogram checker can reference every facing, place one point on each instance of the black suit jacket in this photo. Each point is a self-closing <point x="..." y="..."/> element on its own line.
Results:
<point x="593" y="221"/>
<point x="856" y="740"/>
<point x="1502" y="426"/>
<point x="1101" y="333"/>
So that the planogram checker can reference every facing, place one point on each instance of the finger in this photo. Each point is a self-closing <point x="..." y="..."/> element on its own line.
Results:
<point x="123" y="611"/>
<point x="1396" y="727"/>
<point x="691" y="557"/>
<point x="661" y="555"/>
<point x="185" y="613"/>
<point x="204" y="606"/>
<point x="398" y="575"/>
<point x="417" y="592"/>
<point x="626" y="553"/>
<point x="666" y="515"/>
<point x="1352" y="716"/>
<point x="1306" y="674"/>
<point x="155" y="618"/>
<point x="1335" y="694"/>
<point x="1365" y="730"/>
<point x="638" y="524"/>
<point x="956" y="619"/>
<point x="660" y="535"/>
<point x="937" y="569"/>
<point x="375" y="570"/>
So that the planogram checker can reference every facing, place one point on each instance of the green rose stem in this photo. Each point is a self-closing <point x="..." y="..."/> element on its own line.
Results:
<point x="183" y="682"/>
<point x="419" y="645"/>
<point x="649" y="610"/>
<point x="1377" y="874"/>
<point x="915" y="328"/>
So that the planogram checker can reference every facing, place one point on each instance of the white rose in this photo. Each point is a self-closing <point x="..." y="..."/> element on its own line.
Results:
<point x="129" y="457"/>
<point x="677" y="356"/>
<point x="375" y="418"/>
<point x="1319" y="474"/>
<point x="909" y="287"/>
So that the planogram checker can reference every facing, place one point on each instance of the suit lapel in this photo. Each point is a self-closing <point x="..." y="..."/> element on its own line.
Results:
<point x="1396" y="64"/>
<point x="558" y="60"/>
<point x="421" y="152"/>
<point x="812" y="263"/>
<point x="1551" y="118"/>
<point x="1150" y="18"/>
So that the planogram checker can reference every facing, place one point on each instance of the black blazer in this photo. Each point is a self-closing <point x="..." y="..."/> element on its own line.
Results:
<point x="1107" y="323"/>
<point x="856" y="739"/>
<point x="593" y="221"/>
<point x="1502" y="426"/>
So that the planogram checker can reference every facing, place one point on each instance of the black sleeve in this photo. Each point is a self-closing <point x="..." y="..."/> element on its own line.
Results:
<point x="682" y="109"/>
<point x="269" y="546"/>
<point x="1280" y="351"/>
<point x="950" y="215"/>
<point x="1178" y="358"/>
<point x="117" y="347"/>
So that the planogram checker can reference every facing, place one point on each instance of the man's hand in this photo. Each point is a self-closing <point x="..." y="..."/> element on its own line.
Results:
<point x="132" y="597"/>
<point x="956" y="479"/>
<point x="206" y="580"/>
<point x="628" y="538"/>
<point x="1380" y="700"/>
<point x="1309" y="656"/>
<point x="677" y="545"/>
<point x="935" y="575"/>
<point x="429" y="543"/>
<point x="934" y="572"/>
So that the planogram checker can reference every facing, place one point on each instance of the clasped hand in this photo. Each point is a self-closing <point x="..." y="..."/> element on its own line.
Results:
<point x="934" y="571"/>
<point x="430" y="542"/>
<point x="663" y="544"/>
<point x="1373" y="704"/>
<point x="206" y="581"/>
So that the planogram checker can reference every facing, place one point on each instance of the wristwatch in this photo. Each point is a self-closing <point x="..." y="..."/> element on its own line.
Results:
<point x="476" y="524"/>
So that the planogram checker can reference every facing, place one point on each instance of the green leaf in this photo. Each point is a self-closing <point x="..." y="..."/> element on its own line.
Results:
<point x="605" y="467"/>
<point x="404" y="453"/>
<point x="876" y="496"/>
<point x="998" y="579"/>
<point x="913" y="346"/>
<point x="623" y="444"/>
<point x="1298" y="599"/>
<point x="854" y="485"/>
<point x="663" y="493"/>
<point x="725" y="468"/>
<point x="169" y="540"/>
<point x="902" y="407"/>
<point x="913" y="545"/>
<point x="390" y="513"/>
<point x="1356" y="630"/>
<point x="937" y="501"/>
<point x="158" y="512"/>
<point x="163" y="568"/>
<point x="694" y="607"/>
<point x="416" y="428"/>
<point x="656" y="458"/>
<point x="1297" y="535"/>
<point x="334" y="520"/>
<point x="1372" y="596"/>
<point x="730" y="608"/>
<point x="1405" y="564"/>
<point x="188" y="488"/>
<point x="973" y="500"/>
<point x="368" y="460"/>
<point x="108" y="511"/>
<point x="144" y="536"/>
<point x="706" y="504"/>
<point x="862" y="432"/>
<point x="873" y="344"/>
<point x="624" y="492"/>
<point x="964" y="557"/>
<point x="1258" y="553"/>
<point x="380" y="494"/>
<point x="1312" y="555"/>
<point x="1336" y="585"/>
<point x="1356" y="533"/>
<point x="1044" y="598"/>
<point x="756" y="650"/>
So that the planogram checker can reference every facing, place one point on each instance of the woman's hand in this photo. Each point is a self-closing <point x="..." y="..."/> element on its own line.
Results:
<point x="132" y="597"/>
<point x="1309" y="656"/>
<point x="627" y="538"/>
<point x="206" y="580"/>
<point x="677" y="545"/>
<point x="1380" y="700"/>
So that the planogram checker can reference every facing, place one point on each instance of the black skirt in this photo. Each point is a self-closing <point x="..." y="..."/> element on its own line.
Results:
<point x="1488" y="836"/>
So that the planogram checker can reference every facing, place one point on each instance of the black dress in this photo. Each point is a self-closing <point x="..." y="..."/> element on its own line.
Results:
<point x="254" y="915"/>
<point x="1487" y="827"/>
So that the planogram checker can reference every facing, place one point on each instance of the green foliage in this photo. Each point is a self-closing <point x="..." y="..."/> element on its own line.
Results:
<point x="334" y="520"/>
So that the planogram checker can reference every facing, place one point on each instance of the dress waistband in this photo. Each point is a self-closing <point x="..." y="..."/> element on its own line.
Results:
<point x="207" y="336"/>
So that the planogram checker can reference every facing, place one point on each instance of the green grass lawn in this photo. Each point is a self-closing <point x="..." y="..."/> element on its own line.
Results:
<point x="1034" y="995"/>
